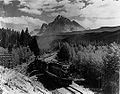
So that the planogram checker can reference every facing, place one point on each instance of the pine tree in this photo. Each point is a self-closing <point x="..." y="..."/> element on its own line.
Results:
<point x="9" y="48"/>
<point x="22" y="37"/>
<point x="18" y="39"/>
<point x="3" y="41"/>
<point x="27" y="37"/>
<point x="34" y="46"/>
<point x="63" y="54"/>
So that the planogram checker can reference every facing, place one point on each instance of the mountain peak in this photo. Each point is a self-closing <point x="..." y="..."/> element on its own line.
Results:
<point x="61" y="24"/>
<point x="61" y="19"/>
<point x="59" y="16"/>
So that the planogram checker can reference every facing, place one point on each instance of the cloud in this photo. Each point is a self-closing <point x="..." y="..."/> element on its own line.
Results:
<point x="31" y="11"/>
<point x="22" y="22"/>
<point x="39" y="6"/>
<point x="95" y="13"/>
<point x="70" y="9"/>
<point x="108" y="8"/>
<point x="101" y="13"/>
<point x="7" y="1"/>
<point x="88" y="24"/>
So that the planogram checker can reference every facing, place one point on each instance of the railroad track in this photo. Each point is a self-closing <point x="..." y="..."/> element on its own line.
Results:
<point x="73" y="89"/>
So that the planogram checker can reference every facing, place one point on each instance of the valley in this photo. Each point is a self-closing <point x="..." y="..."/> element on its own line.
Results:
<point x="64" y="56"/>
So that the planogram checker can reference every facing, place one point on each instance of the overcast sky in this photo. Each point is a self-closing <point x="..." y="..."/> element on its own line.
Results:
<point x="19" y="14"/>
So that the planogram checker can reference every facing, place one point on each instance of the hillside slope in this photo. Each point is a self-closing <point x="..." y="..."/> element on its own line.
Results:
<point x="12" y="82"/>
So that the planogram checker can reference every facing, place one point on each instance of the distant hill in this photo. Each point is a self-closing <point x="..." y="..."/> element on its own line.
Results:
<point x="104" y="35"/>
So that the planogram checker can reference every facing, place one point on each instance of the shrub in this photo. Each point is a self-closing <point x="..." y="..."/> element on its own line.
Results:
<point x="111" y="70"/>
<point x="21" y="55"/>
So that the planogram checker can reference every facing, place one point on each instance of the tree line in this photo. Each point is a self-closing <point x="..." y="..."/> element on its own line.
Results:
<point x="10" y="37"/>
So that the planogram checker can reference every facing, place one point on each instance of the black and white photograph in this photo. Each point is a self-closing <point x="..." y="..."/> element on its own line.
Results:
<point x="59" y="46"/>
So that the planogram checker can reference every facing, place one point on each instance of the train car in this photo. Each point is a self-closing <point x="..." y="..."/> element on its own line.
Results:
<point x="56" y="70"/>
